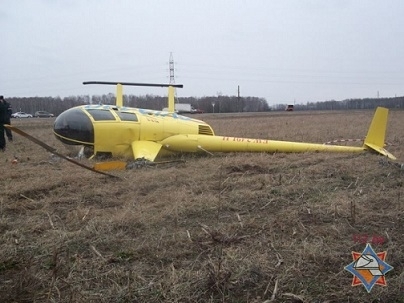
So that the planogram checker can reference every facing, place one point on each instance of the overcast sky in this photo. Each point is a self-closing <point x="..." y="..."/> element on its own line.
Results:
<point x="280" y="50"/>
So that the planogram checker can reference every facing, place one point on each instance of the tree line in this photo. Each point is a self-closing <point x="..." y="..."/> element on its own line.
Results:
<point x="348" y="104"/>
<point x="219" y="104"/>
<point x="214" y="104"/>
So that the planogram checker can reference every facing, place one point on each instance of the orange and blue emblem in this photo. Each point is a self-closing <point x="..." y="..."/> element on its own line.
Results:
<point x="368" y="268"/>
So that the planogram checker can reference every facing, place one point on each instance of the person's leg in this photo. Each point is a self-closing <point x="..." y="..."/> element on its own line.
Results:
<point x="2" y="139"/>
<point x="9" y="134"/>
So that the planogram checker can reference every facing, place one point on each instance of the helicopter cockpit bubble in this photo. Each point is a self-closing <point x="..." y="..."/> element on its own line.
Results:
<point x="74" y="127"/>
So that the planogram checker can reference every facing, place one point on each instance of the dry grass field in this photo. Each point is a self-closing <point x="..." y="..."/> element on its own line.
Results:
<point x="221" y="228"/>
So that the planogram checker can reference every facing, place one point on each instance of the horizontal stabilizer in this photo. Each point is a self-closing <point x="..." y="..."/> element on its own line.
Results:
<point x="381" y="150"/>
<point x="145" y="149"/>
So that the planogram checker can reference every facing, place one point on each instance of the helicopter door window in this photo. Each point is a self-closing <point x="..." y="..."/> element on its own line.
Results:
<point x="101" y="115"/>
<point x="127" y="116"/>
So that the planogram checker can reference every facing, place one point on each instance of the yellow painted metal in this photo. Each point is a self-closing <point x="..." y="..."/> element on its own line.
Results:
<point x="171" y="92"/>
<point x="119" y="95"/>
<point x="377" y="131"/>
<point x="380" y="150"/>
<point x="153" y="134"/>
<point x="197" y="143"/>
<point x="145" y="149"/>
<point x="115" y="137"/>
<point x="156" y="132"/>
<point x="194" y="143"/>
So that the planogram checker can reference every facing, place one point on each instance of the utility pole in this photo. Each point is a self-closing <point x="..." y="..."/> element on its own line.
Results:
<point x="238" y="98"/>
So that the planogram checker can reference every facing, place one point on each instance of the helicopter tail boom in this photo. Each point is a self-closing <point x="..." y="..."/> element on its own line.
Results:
<point x="194" y="143"/>
<point x="197" y="143"/>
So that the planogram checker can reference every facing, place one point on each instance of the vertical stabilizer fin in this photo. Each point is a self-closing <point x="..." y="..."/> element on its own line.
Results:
<point x="377" y="132"/>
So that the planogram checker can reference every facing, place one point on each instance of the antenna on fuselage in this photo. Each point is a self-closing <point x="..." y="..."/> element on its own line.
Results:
<point x="119" y="95"/>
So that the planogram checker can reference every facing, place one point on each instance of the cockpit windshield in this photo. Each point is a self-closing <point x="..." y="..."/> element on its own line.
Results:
<point x="74" y="127"/>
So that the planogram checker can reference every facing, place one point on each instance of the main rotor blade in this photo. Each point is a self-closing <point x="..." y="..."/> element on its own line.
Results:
<point x="53" y="150"/>
<point x="133" y="84"/>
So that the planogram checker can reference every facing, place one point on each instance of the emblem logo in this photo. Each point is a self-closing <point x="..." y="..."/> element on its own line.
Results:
<point x="368" y="268"/>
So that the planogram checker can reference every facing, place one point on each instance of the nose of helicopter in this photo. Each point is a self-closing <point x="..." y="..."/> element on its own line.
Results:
<point x="74" y="127"/>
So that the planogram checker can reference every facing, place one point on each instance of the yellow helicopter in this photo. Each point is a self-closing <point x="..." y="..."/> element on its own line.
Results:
<point x="146" y="135"/>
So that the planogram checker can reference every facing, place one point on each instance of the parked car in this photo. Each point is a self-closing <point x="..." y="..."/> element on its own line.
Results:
<point x="197" y="111"/>
<point x="42" y="114"/>
<point x="21" y="115"/>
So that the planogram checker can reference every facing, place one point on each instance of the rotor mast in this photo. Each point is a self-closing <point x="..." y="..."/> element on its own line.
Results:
<point x="173" y="93"/>
<point x="119" y="89"/>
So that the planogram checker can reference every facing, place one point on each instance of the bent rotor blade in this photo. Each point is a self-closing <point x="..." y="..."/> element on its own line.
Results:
<point x="53" y="150"/>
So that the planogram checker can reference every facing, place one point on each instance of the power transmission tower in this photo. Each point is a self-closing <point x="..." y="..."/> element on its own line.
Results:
<point x="172" y="77"/>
